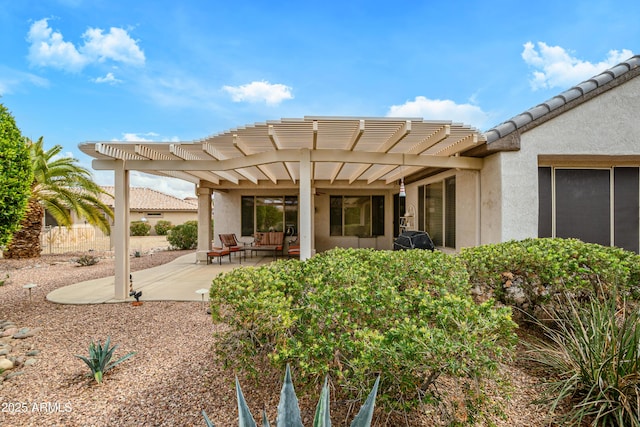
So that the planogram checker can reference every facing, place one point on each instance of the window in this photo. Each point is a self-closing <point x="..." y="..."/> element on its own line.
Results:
<point x="269" y="213"/>
<point x="593" y="205"/>
<point x="356" y="215"/>
<point x="438" y="211"/>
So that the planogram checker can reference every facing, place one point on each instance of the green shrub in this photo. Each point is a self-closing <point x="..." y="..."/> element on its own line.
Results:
<point x="184" y="236"/>
<point x="349" y="313"/>
<point x="16" y="176"/>
<point x="162" y="227"/>
<point x="593" y="353"/>
<point x="139" y="228"/>
<point x="529" y="274"/>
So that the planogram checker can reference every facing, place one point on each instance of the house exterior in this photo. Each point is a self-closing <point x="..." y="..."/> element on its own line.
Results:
<point x="567" y="167"/>
<point x="150" y="205"/>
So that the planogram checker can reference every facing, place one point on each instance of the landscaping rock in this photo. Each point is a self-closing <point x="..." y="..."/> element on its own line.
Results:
<point x="13" y="374"/>
<point x="6" y="364"/>
<point x="26" y="333"/>
<point x="15" y="350"/>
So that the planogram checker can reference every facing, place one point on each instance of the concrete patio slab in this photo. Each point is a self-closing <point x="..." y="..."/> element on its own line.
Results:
<point x="177" y="280"/>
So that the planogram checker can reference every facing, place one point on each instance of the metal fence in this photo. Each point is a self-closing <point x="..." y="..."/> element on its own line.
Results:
<point x="57" y="240"/>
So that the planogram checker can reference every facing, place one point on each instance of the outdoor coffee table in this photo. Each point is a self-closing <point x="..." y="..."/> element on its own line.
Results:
<point x="265" y="248"/>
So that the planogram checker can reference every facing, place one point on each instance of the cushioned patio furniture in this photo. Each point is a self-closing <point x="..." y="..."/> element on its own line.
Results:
<point x="270" y="238"/>
<point x="293" y="251"/>
<point x="218" y="253"/>
<point x="230" y="241"/>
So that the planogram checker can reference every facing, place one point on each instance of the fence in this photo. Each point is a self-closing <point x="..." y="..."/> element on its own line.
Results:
<point x="56" y="240"/>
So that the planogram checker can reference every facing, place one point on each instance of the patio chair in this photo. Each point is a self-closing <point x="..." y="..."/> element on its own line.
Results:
<point x="230" y="242"/>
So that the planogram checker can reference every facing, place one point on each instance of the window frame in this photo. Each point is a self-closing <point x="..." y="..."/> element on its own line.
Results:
<point x="249" y="215"/>
<point x="374" y="212"/>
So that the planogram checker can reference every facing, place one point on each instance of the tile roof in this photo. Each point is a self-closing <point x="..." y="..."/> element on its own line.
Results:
<point x="147" y="199"/>
<point x="582" y="92"/>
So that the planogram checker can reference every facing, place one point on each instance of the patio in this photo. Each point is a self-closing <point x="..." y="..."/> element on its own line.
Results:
<point x="175" y="281"/>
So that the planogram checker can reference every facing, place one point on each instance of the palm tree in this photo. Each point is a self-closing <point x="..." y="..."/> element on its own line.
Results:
<point x="62" y="187"/>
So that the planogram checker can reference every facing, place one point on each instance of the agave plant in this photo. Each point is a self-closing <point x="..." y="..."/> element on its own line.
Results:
<point x="289" y="410"/>
<point x="99" y="360"/>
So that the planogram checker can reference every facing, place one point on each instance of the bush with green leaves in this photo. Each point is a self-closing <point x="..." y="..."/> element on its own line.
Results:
<point x="184" y="236"/>
<point x="16" y="176"/>
<point x="139" y="228"/>
<point x="162" y="227"/>
<point x="289" y="410"/>
<point x="348" y="313"/>
<point x="530" y="273"/>
<point x="99" y="360"/>
<point x="593" y="354"/>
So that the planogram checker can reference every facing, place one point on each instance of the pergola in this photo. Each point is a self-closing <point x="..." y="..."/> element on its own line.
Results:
<point x="300" y="154"/>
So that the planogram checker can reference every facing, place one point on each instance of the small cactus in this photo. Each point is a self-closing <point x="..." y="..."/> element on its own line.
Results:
<point x="289" y="411"/>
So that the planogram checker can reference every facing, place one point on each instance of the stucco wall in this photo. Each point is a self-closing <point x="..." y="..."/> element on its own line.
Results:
<point x="608" y="124"/>
<point x="467" y="210"/>
<point x="226" y="215"/>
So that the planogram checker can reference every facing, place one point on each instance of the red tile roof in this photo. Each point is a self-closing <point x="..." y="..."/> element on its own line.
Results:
<point x="147" y="199"/>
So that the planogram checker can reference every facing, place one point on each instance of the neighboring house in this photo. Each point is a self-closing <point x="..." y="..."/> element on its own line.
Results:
<point x="152" y="206"/>
<point x="568" y="167"/>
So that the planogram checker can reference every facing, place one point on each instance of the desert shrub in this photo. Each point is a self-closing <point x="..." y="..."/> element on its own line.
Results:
<point x="349" y="313"/>
<point x="593" y="352"/>
<point x="531" y="273"/>
<point x="162" y="227"/>
<point x="88" y="260"/>
<point x="184" y="236"/>
<point x="139" y="228"/>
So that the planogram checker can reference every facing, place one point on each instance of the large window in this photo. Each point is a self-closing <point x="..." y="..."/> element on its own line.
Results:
<point x="356" y="215"/>
<point x="437" y="213"/>
<point x="593" y="205"/>
<point x="265" y="213"/>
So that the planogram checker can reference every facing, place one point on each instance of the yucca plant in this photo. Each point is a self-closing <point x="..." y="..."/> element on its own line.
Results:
<point x="99" y="360"/>
<point x="593" y="351"/>
<point x="289" y="410"/>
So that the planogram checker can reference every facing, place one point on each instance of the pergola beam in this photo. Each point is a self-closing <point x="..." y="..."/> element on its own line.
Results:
<point x="293" y="155"/>
<point x="244" y="150"/>
<point x="393" y="140"/>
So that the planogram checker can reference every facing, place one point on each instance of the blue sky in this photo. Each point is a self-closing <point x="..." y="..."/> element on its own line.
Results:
<point x="102" y="70"/>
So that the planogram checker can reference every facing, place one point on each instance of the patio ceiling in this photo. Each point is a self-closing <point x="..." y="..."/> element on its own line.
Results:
<point x="343" y="151"/>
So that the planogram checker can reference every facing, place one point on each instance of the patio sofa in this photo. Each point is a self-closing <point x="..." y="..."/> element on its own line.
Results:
<point x="270" y="238"/>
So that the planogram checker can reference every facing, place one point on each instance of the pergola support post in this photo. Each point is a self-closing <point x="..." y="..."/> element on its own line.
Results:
<point x="205" y="234"/>
<point x="306" y="206"/>
<point x="121" y="231"/>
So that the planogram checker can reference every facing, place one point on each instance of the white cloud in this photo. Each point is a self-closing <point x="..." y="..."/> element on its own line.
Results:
<point x="556" y="67"/>
<point x="108" y="78"/>
<point x="115" y="45"/>
<point x="263" y="91"/>
<point x="11" y="80"/>
<point x="137" y="137"/>
<point x="49" y="49"/>
<point x="440" y="109"/>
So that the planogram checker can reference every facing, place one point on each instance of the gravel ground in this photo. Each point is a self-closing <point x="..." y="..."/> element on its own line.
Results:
<point x="174" y="374"/>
